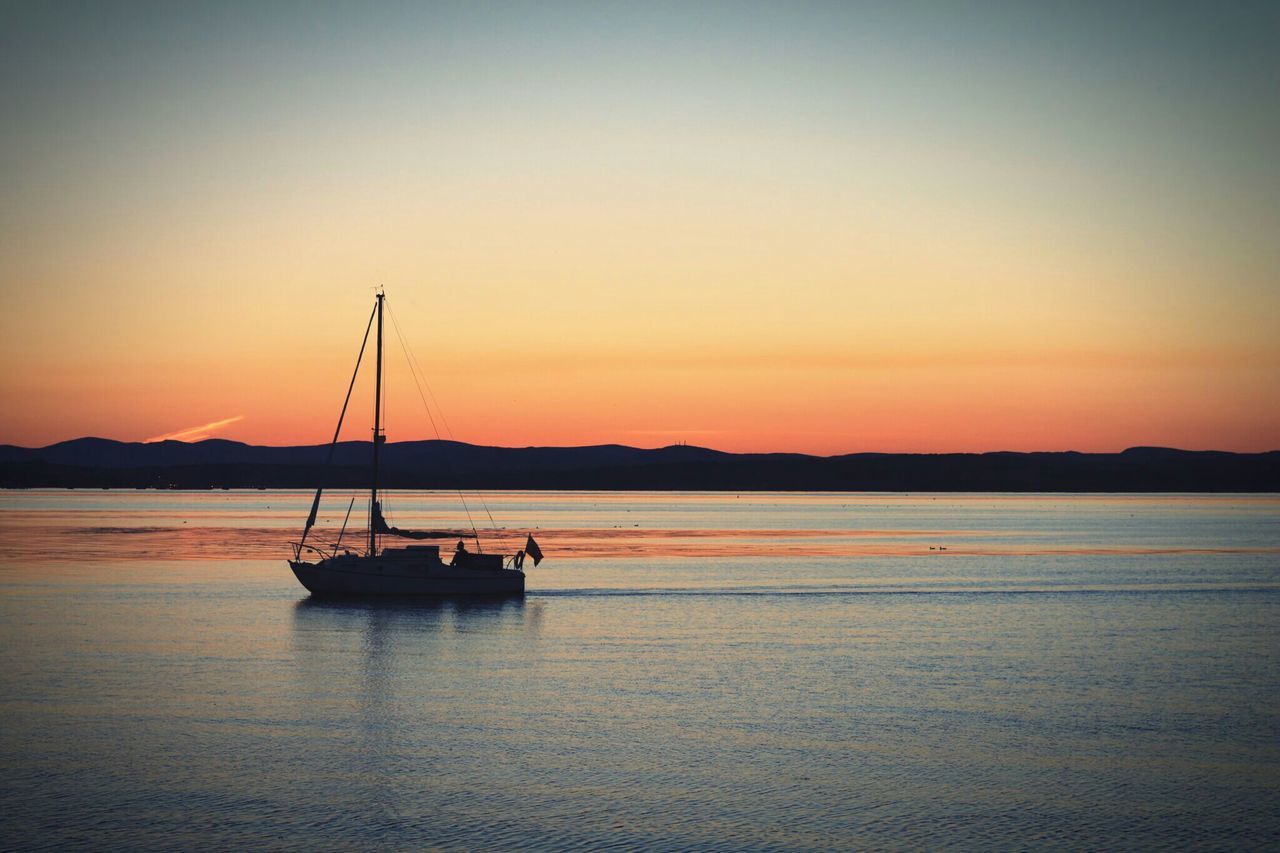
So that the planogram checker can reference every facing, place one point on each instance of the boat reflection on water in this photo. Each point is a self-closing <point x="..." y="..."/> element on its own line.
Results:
<point x="343" y="614"/>
<point x="391" y="632"/>
<point x="370" y="655"/>
<point x="379" y="683"/>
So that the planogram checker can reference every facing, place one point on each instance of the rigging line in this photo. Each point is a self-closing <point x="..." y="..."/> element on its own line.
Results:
<point x="352" y="384"/>
<point x="470" y="521"/>
<point x="413" y="359"/>
<point x="338" y="544"/>
<point x="409" y="359"/>
<point x="333" y="445"/>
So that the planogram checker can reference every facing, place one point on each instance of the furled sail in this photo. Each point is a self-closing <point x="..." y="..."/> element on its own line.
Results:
<point x="311" y="519"/>
<point x="380" y="526"/>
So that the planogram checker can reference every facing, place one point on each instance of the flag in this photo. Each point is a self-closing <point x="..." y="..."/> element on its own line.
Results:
<point x="531" y="548"/>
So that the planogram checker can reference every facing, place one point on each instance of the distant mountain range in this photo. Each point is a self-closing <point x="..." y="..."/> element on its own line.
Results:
<point x="215" y="463"/>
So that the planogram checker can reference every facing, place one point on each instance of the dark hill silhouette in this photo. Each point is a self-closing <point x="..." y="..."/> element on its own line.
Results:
<point x="98" y="462"/>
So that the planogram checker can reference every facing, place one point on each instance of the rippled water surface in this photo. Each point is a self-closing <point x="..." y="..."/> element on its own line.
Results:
<point x="705" y="671"/>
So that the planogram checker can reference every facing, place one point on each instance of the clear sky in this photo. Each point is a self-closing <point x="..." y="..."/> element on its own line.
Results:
<point x="820" y="227"/>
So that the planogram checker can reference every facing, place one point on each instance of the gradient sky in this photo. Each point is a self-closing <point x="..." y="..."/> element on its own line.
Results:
<point x="823" y="227"/>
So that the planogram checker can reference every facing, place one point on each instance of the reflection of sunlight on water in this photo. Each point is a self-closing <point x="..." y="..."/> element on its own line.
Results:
<point x="693" y="541"/>
<point x="49" y="542"/>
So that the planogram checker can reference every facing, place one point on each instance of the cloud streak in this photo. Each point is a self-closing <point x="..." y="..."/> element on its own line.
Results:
<point x="195" y="433"/>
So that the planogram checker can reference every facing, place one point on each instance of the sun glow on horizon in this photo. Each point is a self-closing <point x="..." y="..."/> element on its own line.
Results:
<point x="823" y="229"/>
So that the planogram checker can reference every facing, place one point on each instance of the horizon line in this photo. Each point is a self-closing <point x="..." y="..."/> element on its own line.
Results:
<point x="205" y="440"/>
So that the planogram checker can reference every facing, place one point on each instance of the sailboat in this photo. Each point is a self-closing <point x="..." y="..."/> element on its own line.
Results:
<point x="399" y="572"/>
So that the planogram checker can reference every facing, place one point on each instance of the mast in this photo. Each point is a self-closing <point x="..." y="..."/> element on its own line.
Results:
<point x="377" y="438"/>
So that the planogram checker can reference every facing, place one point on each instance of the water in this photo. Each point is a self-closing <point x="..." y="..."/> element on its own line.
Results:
<point x="706" y="671"/>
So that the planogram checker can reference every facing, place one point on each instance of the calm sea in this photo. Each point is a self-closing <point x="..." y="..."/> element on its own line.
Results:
<point x="687" y="671"/>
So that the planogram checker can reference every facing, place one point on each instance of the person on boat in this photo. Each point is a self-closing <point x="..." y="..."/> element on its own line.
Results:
<point x="459" y="553"/>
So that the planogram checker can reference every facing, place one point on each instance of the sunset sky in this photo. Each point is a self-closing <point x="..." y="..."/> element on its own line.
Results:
<point x="818" y="227"/>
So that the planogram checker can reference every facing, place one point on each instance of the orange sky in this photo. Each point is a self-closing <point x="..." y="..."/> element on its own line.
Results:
<point x="820" y="230"/>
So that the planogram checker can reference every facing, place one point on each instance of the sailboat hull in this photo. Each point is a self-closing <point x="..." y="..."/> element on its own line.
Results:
<point x="375" y="577"/>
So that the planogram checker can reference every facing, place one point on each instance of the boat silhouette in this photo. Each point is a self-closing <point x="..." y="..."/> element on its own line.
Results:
<point x="405" y="572"/>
